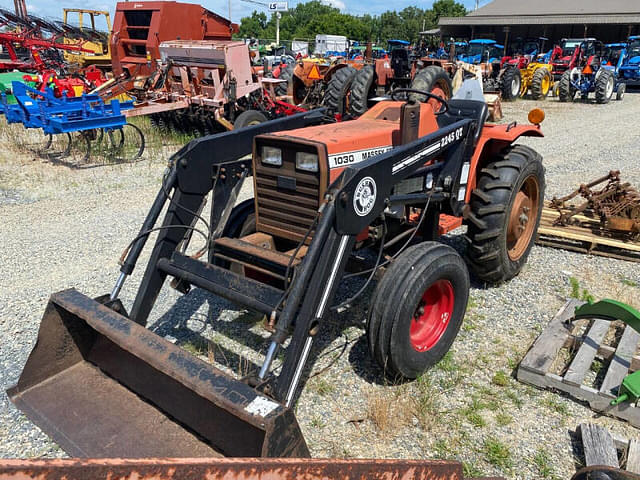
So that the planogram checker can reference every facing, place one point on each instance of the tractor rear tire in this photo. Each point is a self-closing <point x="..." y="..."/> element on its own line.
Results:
<point x="362" y="89"/>
<point x="510" y="84"/>
<point x="435" y="80"/>
<point x="566" y="91"/>
<point x="505" y="214"/>
<point x="417" y="309"/>
<point x="622" y="89"/>
<point x="541" y="84"/>
<point x="249" y="118"/>
<point x="605" y="85"/>
<point x="286" y="73"/>
<point x="335" y="97"/>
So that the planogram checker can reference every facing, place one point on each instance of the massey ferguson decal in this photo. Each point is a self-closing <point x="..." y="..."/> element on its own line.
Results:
<point x="350" y="158"/>
<point x="429" y="150"/>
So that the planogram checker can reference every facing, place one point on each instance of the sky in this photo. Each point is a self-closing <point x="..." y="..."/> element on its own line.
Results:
<point x="239" y="8"/>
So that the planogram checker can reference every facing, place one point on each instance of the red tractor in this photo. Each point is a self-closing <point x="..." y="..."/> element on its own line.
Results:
<point x="391" y="181"/>
<point x="569" y="54"/>
<point x="523" y="51"/>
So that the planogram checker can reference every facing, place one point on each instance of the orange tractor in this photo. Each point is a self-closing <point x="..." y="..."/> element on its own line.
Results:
<point x="392" y="181"/>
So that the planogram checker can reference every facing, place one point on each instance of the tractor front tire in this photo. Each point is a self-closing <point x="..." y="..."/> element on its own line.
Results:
<point x="511" y="84"/>
<point x="566" y="91"/>
<point x="505" y="214"/>
<point x="417" y="309"/>
<point x="541" y="84"/>
<point x="605" y="85"/>
<point x="362" y="89"/>
<point x="335" y="97"/>
<point x="622" y="89"/>
<point x="435" y="80"/>
<point x="249" y="118"/>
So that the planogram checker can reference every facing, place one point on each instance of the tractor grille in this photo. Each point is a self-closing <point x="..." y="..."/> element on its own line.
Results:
<point x="287" y="199"/>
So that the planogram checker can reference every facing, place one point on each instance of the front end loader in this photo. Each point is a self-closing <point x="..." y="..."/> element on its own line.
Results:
<point x="394" y="180"/>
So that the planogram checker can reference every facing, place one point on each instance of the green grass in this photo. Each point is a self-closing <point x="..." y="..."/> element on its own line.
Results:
<point x="515" y="398"/>
<point x="447" y="364"/>
<point x="578" y="292"/>
<point x="425" y="404"/>
<point x="317" y="422"/>
<point x="196" y="346"/>
<point x="628" y="282"/>
<point x="556" y="406"/>
<point x="476" y="419"/>
<point x="322" y="387"/>
<point x="471" y="470"/>
<point x="500" y="379"/>
<point x="497" y="453"/>
<point x="504" y="419"/>
<point x="543" y="463"/>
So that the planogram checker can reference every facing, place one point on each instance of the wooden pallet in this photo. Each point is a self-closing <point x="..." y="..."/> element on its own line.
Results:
<point x="583" y="238"/>
<point x="557" y="339"/>
<point x="601" y="447"/>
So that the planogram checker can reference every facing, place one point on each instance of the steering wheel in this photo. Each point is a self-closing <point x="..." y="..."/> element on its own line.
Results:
<point x="442" y="101"/>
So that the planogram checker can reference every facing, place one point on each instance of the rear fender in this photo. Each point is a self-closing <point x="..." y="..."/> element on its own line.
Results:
<point x="493" y="140"/>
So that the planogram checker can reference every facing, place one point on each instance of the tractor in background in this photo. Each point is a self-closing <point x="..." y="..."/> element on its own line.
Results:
<point x="566" y="56"/>
<point x="629" y="69"/>
<point x="497" y="78"/>
<point x="535" y="73"/>
<point x="523" y="51"/>
<point x="589" y="75"/>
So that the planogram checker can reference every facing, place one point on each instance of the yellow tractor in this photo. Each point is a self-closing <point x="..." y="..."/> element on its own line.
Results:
<point x="536" y="79"/>
<point x="92" y="38"/>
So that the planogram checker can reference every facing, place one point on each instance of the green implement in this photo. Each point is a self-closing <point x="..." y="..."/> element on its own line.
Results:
<point x="629" y="390"/>
<point x="5" y="83"/>
<point x="610" y="310"/>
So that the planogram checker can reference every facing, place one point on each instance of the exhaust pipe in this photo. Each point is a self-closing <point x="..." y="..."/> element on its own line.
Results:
<point x="100" y="385"/>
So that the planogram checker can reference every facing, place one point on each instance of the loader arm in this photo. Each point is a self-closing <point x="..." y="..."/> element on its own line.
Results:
<point x="192" y="177"/>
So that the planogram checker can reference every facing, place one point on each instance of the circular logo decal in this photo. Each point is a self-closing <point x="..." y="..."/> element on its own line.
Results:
<point x="364" y="198"/>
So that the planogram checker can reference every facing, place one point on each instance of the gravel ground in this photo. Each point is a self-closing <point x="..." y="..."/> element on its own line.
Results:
<point x="66" y="228"/>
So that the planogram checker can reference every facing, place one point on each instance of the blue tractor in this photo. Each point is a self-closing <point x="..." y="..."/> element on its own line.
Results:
<point x="615" y="56"/>
<point x="589" y="75"/>
<point x="629" y="70"/>
<point x="482" y="51"/>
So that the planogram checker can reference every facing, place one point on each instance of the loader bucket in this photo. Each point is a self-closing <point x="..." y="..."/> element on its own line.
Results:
<point x="103" y="386"/>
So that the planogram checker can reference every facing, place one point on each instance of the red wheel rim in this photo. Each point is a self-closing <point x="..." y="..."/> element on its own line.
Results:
<point x="432" y="316"/>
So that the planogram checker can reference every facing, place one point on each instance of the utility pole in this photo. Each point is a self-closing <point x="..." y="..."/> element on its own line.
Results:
<point x="21" y="8"/>
<point x="229" y="10"/>
<point x="278" y="15"/>
<point x="477" y="4"/>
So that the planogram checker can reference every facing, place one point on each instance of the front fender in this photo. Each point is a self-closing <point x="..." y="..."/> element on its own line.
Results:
<point x="493" y="139"/>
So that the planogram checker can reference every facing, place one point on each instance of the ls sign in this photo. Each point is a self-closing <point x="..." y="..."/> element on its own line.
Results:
<point x="278" y="6"/>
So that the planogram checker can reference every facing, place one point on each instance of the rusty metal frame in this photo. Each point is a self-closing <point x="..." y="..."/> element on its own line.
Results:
<point x="230" y="469"/>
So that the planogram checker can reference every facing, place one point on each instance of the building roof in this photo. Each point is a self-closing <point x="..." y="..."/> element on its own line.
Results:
<point x="549" y="12"/>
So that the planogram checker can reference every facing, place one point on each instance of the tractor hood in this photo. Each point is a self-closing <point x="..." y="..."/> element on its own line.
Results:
<point x="634" y="60"/>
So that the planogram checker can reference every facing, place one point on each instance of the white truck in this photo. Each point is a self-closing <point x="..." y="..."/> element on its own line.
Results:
<point x="331" y="43"/>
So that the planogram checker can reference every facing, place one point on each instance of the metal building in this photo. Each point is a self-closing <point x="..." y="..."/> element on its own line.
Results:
<point x="607" y="20"/>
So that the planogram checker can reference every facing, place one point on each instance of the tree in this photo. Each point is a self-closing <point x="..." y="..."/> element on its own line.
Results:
<point x="447" y="8"/>
<point x="309" y="19"/>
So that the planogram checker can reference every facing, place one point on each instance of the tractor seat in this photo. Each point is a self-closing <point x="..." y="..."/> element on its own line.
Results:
<point x="257" y="252"/>
<point x="474" y="109"/>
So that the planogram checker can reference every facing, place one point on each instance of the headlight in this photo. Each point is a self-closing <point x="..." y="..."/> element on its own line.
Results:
<point x="272" y="156"/>
<point x="307" y="161"/>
